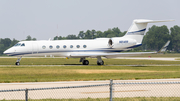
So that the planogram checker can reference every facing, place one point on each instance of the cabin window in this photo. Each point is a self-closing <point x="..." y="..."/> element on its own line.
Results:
<point x="84" y="46"/>
<point x="22" y="44"/>
<point x="57" y="46"/>
<point x="43" y="47"/>
<point x="64" y="46"/>
<point x="120" y="41"/>
<point x="78" y="46"/>
<point x="71" y="46"/>
<point x="50" y="46"/>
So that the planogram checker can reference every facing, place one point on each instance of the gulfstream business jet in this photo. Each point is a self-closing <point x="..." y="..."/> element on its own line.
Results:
<point x="94" y="48"/>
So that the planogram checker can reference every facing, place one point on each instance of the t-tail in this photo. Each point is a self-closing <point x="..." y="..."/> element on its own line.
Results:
<point x="138" y="28"/>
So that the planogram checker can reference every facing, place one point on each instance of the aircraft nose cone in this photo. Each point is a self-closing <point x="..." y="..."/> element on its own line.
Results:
<point x="5" y="52"/>
<point x="8" y="51"/>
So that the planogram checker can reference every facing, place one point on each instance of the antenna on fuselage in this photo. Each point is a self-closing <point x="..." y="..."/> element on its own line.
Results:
<point x="49" y="39"/>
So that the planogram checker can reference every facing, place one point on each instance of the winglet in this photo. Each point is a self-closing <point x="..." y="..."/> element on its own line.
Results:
<point x="163" y="49"/>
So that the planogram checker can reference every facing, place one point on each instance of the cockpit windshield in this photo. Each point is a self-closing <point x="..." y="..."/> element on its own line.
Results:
<point x="22" y="44"/>
<point x="19" y="44"/>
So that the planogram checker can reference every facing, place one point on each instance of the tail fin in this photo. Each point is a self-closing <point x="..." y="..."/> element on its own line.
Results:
<point x="163" y="49"/>
<point x="138" y="28"/>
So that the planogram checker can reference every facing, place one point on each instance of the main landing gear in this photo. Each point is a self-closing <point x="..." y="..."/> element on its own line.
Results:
<point x="18" y="60"/>
<point x="86" y="62"/>
<point x="100" y="61"/>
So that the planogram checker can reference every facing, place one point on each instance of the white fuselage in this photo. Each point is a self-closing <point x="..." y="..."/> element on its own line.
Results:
<point x="67" y="47"/>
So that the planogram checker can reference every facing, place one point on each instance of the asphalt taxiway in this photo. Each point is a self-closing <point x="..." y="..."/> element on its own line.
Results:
<point x="126" y="90"/>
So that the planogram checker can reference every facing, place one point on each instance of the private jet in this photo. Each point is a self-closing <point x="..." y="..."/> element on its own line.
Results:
<point x="94" y="48"/>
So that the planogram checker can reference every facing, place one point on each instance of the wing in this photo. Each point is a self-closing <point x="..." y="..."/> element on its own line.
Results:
<point x="113" y="55"/>
<point x="108" y="55"/>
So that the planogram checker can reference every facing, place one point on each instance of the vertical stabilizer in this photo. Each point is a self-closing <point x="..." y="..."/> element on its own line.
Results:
<point x="138" y="28"/>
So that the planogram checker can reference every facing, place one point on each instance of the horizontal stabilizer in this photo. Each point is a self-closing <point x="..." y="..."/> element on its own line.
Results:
<point x="151" y="21"/>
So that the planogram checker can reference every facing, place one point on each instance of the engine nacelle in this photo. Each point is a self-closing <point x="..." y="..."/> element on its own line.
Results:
<point x="121" y="42"/>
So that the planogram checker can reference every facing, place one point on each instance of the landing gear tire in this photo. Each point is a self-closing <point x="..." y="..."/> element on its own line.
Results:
<point x="85" y="62"/>
<point x="100" y="63"/>
<point x="17" y="63"/>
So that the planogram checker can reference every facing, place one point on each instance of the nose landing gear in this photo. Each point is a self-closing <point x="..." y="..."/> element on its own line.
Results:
<point x="18" y="60"/>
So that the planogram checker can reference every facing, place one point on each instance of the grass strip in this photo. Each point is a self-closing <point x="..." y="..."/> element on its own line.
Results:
<point x="85" y="73"/>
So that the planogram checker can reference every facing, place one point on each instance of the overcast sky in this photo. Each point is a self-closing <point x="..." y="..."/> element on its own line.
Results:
<point x="44" y="19"/>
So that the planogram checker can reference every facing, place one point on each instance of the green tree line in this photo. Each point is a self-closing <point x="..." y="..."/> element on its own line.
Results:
<point x="154" y="39"/>
<point x="92" y="34"/>
<point x="157" y="36"/>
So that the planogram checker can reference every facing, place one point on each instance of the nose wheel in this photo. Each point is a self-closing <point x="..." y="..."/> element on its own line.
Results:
<point x="17" y="63"/>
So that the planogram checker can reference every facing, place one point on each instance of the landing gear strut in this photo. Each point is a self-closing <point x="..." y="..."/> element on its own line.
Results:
<point x="100" y="61"/>
<point x="18" y="60"/>
<point x="84" y="62"/>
